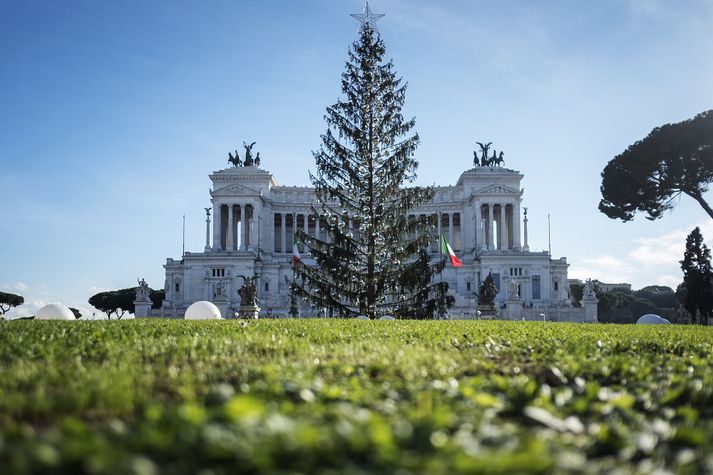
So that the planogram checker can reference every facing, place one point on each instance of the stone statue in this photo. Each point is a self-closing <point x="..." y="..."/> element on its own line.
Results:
<point x="142" y="291"/>
<point x="493" y="158"/>
<point x="487" y="291"/>
<point x="235" y="160"/>
<point x="207" y="212"/>
<point x="513" y="290"/>
<point x="248" y="292"/>
<point x="219" y="291"/>
<point x="589" y="289"/>
<point x="248" y="162"/>
<point x="499" y="161"/>
<point x="484" y="161"/>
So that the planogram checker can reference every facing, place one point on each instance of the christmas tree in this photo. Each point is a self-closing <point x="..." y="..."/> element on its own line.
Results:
<point x="371" y="259"/>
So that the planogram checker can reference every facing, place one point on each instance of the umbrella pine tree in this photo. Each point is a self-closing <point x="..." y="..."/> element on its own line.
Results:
<point x="370" y="257"/>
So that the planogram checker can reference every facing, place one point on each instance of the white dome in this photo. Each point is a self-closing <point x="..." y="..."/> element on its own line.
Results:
<point x="202" y="310"/>
<point x="386" y="317"/>
<point x="362" y="317"/>
<point x="54" y="311"/>
<point x="651" y="319"/>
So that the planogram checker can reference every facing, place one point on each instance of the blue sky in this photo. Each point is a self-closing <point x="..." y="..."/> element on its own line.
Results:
<point x="112" y="115"/>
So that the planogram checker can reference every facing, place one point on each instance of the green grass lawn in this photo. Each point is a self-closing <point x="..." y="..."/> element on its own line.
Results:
<point x="336" y="396"/>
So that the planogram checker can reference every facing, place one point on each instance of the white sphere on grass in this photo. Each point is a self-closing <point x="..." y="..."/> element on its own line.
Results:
<point x="202" y="310"/>
<point x="386" y="317"/>
<point x="54" y="311"/>
<point x="651" y="319"/>
<point x="362" y="317"/>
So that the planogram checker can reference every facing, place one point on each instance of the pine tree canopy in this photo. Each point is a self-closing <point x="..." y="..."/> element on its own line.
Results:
<point x="369" y="258"/>
<point x="650" y="175"/>
<point x="8" y="300"/>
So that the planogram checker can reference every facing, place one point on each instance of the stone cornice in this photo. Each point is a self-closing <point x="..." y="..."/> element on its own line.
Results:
<point x="489" y="175"/>
<point x="243" y="174"/>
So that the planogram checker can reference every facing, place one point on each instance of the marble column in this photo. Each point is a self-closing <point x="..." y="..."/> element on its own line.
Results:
<point x="216" y="226"/>
<point x="516" y="226"/>
<point x="489" y="228"/>
<point x="239" y="240"/>
<point x="461" y="224"/>
<point x="240" y="235"/>
<point x="316" y="226"/>
<point x="294" y="227"/>
<point x="501" y="229"/>
<point x="440" y="220"/>
<point x="207" y="231"/>
<point x="254" y="229"/>
<point x="283" y="228"/>
<point x="450" y="229"/>
<point x="248" y="227"/>
<point x="230" y="237"/>
<point x="478" y="238"/>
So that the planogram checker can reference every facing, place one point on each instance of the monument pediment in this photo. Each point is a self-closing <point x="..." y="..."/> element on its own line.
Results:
<point x="236" y="190"/>
<point x="498" y="189"/>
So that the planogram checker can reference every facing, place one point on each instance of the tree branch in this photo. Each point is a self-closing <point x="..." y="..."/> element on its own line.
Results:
<point x="701" y="201"/>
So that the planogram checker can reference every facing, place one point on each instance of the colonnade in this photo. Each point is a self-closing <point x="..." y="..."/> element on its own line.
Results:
<point x="501" y="236"/>
<point x="448" y="224"/>
<point x="233" y="228"/>
<point x="285" y="224"/>
<point x="497" y="227"/>
<point x="282" y="239"/>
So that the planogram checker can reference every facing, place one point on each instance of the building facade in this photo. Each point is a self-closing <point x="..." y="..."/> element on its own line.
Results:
<point x="250" y="228"/>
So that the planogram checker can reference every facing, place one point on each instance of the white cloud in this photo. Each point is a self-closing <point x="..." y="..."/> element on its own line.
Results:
<point x="660" y="249"/>
<point x="607" y="268"/>
<point x="646" y="8"/>
<point x="20" y="286"/>
<point x="647" y="261"/>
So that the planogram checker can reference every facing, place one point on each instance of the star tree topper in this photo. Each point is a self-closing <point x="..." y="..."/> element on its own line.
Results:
<point x="367" y="18"/>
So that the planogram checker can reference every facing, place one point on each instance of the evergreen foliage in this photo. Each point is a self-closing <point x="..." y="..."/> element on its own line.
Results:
<point x="660" y="295"/>
<point x="697" y="289"/>
<point x="8" y="301"/>
<point x="652" y="173"/>
<point x="114" y="302"/>
<point x="117" y="302"/>
<point x="576" y="291"/>
<point x="373" y="260"/>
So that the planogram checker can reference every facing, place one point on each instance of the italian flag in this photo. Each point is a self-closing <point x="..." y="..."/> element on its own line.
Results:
<point x="296" y="259"/>
<point x="447" y="249"/>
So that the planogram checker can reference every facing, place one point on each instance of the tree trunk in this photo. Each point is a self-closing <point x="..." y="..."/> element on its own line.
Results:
<point x="701" y="201"/>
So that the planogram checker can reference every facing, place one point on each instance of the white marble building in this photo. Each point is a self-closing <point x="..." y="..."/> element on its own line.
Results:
<point x="254" y="220"/>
